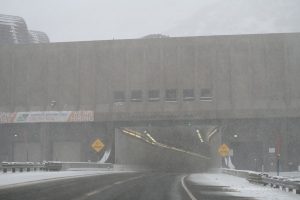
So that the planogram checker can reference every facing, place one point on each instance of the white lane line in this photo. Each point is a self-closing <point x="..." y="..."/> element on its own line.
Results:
<point x="189" y="193"/>
<point x="127" y="180"/>
<point x="119" y="182"/>
<point x="92" y="193"/>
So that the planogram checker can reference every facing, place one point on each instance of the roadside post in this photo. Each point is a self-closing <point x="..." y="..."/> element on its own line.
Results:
<point x="278" y="164"/>
<point x="278" y="146"/>
<point x="223" y="151"/>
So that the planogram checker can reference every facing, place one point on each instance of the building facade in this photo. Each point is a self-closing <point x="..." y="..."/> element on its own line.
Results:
<point x="13" y="30"/>
<point x="245" y="85"/>
<point x="39" y="37"/>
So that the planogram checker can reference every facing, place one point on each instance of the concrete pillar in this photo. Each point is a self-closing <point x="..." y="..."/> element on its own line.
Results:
<point x="45" y="140"/>
<point x="110" y="131"/>
<point x="216" y="159"/>
<point x="284" y="157"/>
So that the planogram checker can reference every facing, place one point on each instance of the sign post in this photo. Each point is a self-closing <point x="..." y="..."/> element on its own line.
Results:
<point x="223" y="152"/>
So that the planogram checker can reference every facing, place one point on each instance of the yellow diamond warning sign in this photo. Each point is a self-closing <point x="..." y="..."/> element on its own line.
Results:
<point x="97" y="145"/>
<point x="223" y="150"/>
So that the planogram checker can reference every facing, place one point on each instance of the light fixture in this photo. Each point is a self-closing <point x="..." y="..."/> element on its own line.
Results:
<point x="235" y="136"/>
<point x="52" y="103"/>
<point x="199" y="136"/>
<point x="212" y="133"/>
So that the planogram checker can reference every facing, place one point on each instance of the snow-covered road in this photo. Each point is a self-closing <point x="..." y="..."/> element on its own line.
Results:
<point x="236" y="186"/>
<point x="224" y="184"/>
<point x="11" y="179"/>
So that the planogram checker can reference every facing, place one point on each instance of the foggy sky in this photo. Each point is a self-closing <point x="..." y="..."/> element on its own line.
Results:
<point x="77" y="20"/>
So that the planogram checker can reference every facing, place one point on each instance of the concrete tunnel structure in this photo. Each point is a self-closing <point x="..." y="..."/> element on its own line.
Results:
<point x="137" y="148"/>
<point x="57" y="98"/>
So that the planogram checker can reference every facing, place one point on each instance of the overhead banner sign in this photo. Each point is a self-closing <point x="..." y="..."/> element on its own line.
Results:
<point x="46" y="116"/>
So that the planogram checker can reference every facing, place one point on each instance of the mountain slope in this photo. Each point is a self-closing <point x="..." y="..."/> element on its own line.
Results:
<point x="241" y="17"/>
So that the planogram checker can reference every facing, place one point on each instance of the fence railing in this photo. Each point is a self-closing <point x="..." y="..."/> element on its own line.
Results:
<point x="22" y="166"/>
<point x="282" y="183"/>
<point x="264" y="179"/>
<point x="50" y="166"/>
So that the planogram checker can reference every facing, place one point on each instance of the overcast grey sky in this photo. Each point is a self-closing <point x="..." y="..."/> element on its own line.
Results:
<point x="73" y="20"/>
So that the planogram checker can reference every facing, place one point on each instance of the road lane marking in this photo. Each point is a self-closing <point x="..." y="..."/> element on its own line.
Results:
<point x="189" y="193"/>
<point x="92" y="193"/>
<point x="127" y="180"/>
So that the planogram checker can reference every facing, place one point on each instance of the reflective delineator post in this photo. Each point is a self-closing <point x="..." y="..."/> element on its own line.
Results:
<point x="278" y="162"/>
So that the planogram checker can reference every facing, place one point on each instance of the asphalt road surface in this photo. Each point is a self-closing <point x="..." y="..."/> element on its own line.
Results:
<point x="125" y="186"/>
<point x="111" y="186"/>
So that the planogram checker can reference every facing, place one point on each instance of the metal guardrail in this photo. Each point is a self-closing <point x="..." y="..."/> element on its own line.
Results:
<point x="93" y="165"/>
<point x="21" y="166"/>
<point x="264" y="179"/>
<point x="57" y="165"/>
<point x="53" y="166"/>
<point x="282" y="183"/>
<point x="50" y="166"/>
<point x="239" y="173"/>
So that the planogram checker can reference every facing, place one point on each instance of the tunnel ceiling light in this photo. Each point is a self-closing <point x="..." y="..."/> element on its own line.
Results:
<point x="149" y="136"/>
<point x="199" y="136"/>
<point x="235" y="136"/>
<point x="138" y="135"/>
<point x="212" y="133"/>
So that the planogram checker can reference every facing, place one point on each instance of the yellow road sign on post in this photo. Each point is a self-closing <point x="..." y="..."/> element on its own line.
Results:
<point x="223" y="150"/>
<point x="97" y="145"/>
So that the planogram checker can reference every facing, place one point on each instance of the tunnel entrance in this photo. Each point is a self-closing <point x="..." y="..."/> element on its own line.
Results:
<point x="176" y="148"/>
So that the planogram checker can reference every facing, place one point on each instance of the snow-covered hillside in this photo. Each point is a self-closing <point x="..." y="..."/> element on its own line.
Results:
<point x="241" y="17"/>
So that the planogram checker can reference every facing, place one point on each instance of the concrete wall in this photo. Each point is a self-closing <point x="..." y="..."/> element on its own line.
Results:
<point x="53" y="141"/>
<point x="249" y="76"/>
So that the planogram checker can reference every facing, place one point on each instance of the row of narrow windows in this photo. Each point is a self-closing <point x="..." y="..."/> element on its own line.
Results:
<point x="169" y="95"/>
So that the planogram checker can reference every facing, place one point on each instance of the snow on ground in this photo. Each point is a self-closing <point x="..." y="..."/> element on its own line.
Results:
<point x="11" y="179"/>
<point x="237" y="186"/>
<point x="291" y="175"/>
